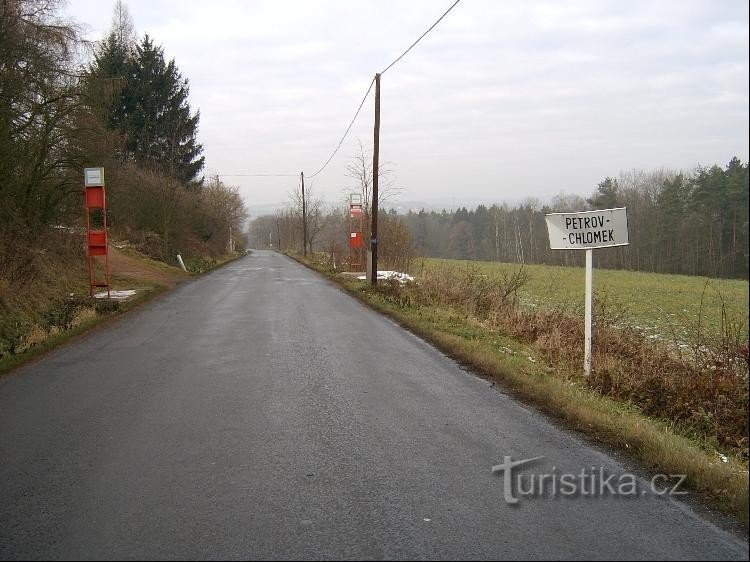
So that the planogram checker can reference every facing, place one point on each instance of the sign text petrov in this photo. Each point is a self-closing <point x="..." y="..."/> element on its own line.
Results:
<point x="587" y="229"/>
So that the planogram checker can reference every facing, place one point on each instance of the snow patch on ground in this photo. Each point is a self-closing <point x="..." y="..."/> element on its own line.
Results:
<point x="116" y="295"/>
<point x="388" y="275"/>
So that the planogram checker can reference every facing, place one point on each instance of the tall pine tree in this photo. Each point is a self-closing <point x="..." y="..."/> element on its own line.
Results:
<point x="145" y="97"/>
<point x="160" y="126"/>
<point x="607" y="194"/>
<point x="106" y="81"/>
<point x="107" y="73"/>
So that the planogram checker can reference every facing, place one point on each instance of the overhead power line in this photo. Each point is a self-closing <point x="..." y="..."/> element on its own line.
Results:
<point x="420" y="38"/>
<point x="356" y="114"/>
<point x="367" y="93"/>
<point x="370" y="88"/>
<point x="256" y="175"/>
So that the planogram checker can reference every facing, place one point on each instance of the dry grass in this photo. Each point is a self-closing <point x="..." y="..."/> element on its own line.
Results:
<point x="44" y="296"/>
<point x="707" y="398"/>
<point x="668" y="413"/>
<point x="654" y="443"/>
<point x="44" y="300"/>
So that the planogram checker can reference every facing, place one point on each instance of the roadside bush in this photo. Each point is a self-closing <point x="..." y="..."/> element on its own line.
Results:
<point x="13" y="327"/>
<point x="706" y="395"/>
<point x="61" y="314"/>
<point x="104" y="306"/>
<point x="395" y="246"/>
<point x="199" y="264"/>
<point x="466" y="289"/>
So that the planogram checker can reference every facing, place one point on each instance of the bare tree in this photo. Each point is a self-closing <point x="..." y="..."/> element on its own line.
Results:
<point x="314" y="211"/>
<point x="360" y="170"/>
<point x="568" y="203"/>
<point x="398" y="250"/>
<point x="39" y="167"/>
<point x="315" y="220"/>
<point x="122" y="26"/>
<point x="223" y="213"/>
<point x="335" y="234"/>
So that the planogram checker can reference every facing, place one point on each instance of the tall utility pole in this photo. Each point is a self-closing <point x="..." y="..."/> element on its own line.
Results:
<point x="304" y="215"/>
<point x="375" y="167"/>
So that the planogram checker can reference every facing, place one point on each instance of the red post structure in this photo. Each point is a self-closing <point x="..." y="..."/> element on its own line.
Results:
<point x="356" y="237"/>
<point x="96" y="228"/>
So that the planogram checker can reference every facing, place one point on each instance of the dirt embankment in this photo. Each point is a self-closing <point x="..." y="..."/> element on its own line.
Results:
<point x="54" y="303"/>
<point x="142" y="271"/>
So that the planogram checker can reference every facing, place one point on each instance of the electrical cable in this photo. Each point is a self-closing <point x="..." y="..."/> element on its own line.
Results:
<point x="362" y="103"/>
<point x="256" y="175"/>
<point x="420" y="38"/>
<point x="347" y="130"/>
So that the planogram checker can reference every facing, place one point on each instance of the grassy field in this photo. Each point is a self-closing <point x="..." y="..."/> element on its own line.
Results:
<point x="674" y="308"/>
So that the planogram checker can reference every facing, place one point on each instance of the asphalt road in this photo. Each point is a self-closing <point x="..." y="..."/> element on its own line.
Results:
<point x="259" y="412"/>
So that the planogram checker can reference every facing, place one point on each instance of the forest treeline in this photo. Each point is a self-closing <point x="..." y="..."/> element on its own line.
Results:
<point x="693" y="223"/>
<point x="66" y="105"/>
<point x="688" y="223"/>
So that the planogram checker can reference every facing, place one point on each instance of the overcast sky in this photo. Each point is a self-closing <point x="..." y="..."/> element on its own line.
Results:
<point x="503" y="100"/>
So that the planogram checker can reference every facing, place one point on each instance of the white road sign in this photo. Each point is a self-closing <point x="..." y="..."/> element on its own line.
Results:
<point x="588" y="229"/>
<point x="93" y="177"/>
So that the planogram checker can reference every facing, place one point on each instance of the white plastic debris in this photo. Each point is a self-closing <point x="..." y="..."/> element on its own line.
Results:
<point x="116" y="295"/>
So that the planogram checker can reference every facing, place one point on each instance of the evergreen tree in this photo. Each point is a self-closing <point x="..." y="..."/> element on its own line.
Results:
<point x="107" y="73"/>
<point x="106" y="81"/>
<point x="606" y="196"/>
<point x="160" y="126"/>
<point x="737" y="224"/>
<point x="671" y="216"/>
<point x="135" y="91"/>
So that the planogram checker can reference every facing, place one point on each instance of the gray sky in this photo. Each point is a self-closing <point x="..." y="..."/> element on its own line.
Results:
<point x="503" y="100"/>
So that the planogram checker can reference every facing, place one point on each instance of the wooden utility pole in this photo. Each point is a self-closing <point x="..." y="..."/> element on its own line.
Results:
<point x="375" y="167"/>
<point x="304" y="215"/>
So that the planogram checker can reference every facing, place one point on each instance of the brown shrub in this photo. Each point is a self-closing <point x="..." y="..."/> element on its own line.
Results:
<point x="705" y="395"/>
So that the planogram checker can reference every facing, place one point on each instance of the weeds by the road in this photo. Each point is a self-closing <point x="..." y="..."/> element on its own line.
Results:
<point x="676" y="414"/>
<point x="705" y="395"/>
<point x="685" y="311"/>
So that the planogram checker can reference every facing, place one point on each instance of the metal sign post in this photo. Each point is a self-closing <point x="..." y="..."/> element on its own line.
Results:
<point x="588" y="230"/>
<point x="588" y="311"/>
<point x="356" y="227"/>
<point x="96" y="234"/>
